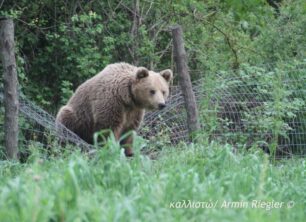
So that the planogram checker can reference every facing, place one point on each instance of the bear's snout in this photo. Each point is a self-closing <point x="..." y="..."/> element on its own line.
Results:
<point x="161" y="105"/>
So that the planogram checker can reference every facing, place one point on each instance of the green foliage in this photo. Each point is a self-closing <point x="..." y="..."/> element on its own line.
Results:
<point x="77" y="57"/>
<point x="70" y="42"/>
<point x="108" y="187"/>
<point x="66" y="91"/>
<point x="61" y="42"/>
<point x="256" y="106"/>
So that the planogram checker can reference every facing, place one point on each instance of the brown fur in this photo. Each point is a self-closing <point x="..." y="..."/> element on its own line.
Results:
<point x="116" y="99"/>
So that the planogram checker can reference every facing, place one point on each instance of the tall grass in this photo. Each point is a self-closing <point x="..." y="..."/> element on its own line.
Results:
<point x="110" y="187"/>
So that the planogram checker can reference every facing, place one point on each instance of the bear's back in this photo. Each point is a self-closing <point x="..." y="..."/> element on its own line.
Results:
<point x="116" y="71"/>
<point x="107" y="81"/>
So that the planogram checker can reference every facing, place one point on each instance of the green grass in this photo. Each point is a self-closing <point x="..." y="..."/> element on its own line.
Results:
<point x="109" y="187"/>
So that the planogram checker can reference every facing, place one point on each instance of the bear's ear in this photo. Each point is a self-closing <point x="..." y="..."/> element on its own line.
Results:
<point x="142" y="73"/>
<point x="167" y="74"/>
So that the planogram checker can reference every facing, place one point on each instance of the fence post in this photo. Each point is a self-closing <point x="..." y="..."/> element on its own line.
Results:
<point x="184" y="79"/>
<point x="10" y="83"/>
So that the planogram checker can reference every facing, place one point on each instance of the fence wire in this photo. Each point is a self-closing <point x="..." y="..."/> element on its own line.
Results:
<point x="259" y="109"/>
<point x="37" y="128"/>
<point x="250" y="109"/>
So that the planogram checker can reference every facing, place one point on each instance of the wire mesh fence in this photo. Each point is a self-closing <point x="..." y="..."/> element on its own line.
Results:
<point x="37" y="129"/>
<point x="252" y="107"/>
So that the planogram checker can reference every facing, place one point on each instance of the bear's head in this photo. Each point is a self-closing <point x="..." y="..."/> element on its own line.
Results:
<point x="151" y="89"/>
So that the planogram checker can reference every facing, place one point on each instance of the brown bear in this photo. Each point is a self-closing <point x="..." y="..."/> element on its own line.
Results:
<point x="116" y="99"/>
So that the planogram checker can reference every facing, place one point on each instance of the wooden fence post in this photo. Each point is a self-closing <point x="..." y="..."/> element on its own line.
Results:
<point x="184" y="79"/>
<point x="10" y="83"/>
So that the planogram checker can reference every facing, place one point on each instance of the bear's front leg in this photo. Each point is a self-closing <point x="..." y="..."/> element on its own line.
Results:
<point x="127" y="144"/>
<point x="117" y="132"/>
<point x="134" y="119"/>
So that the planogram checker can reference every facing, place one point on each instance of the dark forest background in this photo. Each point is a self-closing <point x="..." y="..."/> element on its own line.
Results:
<point x="62" y="43"/>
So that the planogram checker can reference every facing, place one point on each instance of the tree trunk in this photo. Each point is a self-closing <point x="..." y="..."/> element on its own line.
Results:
<point x="184" y="79"/>
<point x="10" y="81"/>
<point x="135" y="32"/>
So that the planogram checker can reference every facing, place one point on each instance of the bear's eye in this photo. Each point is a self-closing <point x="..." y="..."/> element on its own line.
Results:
<point x="152" y="92"/>
<point x="164" y="92"/>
